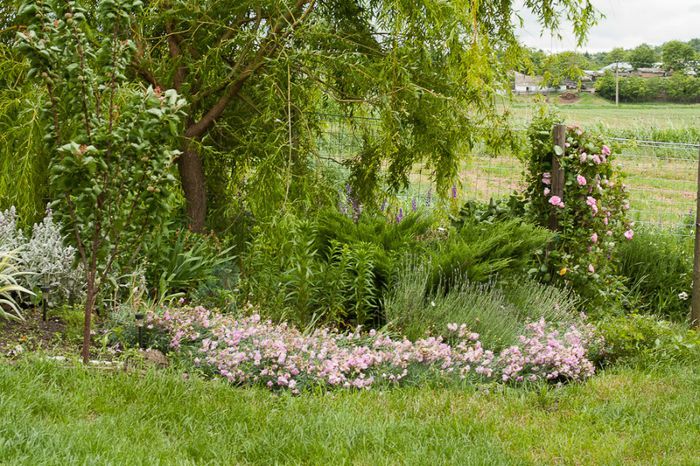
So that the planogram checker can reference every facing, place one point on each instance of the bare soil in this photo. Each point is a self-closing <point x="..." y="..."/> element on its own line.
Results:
<point x="30" y="334"/>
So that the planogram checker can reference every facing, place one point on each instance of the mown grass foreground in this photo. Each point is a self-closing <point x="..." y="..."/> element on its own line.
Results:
<point x="55" y="415"/>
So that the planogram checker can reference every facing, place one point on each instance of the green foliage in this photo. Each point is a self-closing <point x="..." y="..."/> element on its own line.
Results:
<point x="677" y="55"/>
<point x="9" y="288"/>
<point x="643" y="56"/>
<point x="24" y="157"/>
<point x="111" y="164"/>
<point x="498" y="313"/>
<point x="429" y="71"/>
<point x="480" y="252"/>
<point x="179" y="261"/>
<point x="677" y="88"/>
<point x="327" y="268"/>
<point x="658" y="267"/>
<point x="647" y="340"/>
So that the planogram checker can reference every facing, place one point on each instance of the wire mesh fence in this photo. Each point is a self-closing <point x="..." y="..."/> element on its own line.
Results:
<point x="661" y="177"/>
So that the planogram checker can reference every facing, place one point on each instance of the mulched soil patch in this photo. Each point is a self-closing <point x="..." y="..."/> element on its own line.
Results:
<point x="30" y="334"/>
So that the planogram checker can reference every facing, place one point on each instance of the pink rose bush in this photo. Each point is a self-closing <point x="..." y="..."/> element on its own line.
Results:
<point x="593" y="221"/>
<point x="250" y="350"/>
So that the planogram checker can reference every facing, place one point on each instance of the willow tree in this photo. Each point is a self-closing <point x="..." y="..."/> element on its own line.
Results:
<point x="430" y="70"/>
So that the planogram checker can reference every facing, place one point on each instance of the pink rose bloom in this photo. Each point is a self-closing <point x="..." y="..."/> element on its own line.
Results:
<point x="556" y="201"/>
<point x="583" y="157"/>
<point x="546" y="178"/>
<point x="596" y="159"/>
<point x="605" y="150"/>
<point x="546" y="191"/>
<point x="591" y="268"/>
<point x="609" y="233"/>
<point x="591" y="201"/>
<point x="594" y="238"/>
<point x="629" y="234"/>
<point x="581" y="180"/>
<point x="605" y="221"/>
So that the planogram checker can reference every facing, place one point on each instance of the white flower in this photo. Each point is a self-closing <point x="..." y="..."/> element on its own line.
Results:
<point x="683" y="295"/>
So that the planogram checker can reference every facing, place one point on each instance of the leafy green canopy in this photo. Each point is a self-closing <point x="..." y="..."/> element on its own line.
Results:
<point x="257" y="74"/>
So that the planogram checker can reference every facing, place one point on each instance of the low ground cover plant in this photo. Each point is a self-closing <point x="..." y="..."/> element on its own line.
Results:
<point x="250" y="350"/>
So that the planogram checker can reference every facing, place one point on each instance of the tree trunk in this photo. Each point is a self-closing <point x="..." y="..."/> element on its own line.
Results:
<point x="89" y="306"/>
<point x="191" y="170"/>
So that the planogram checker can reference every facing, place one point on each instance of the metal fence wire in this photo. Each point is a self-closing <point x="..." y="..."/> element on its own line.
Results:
<point x="661" y="177"/>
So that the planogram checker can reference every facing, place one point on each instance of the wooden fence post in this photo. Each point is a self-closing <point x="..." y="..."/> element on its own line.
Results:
<point x="695" y="299"/>
<point x="557" y="175"/>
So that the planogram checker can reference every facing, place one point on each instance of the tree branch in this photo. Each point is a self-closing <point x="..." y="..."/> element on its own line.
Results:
<point x="292" y="19"/>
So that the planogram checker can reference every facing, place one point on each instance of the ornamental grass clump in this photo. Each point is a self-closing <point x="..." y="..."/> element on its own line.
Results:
<point x="249" y="351"/>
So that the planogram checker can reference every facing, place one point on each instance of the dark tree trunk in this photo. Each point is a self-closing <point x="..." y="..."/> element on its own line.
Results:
<point x="191" y="170"/>
<point x="89" y="306"/>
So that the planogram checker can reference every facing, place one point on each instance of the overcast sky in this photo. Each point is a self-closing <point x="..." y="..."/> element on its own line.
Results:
<point x="627" y="23"/>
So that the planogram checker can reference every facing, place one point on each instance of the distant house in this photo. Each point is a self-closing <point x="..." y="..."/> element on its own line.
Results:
<point x="620" y="66"/>
<point x="525" y="84"/>
<point x="649" y="72"/>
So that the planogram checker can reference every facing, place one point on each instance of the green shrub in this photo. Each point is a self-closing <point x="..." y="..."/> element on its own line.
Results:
<point x="482" y="251"/>
<point x="179" y="261"/>
<point x="498" y="313"/>
<point x="658" y="267"/>
<point x="647" y="340"/>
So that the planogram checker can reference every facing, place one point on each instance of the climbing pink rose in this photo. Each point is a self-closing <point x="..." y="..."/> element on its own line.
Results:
<point x="594" y="238"/>
<point x="556" y="201"/>
<point x="581" y="180"/>
<point x="629" y="234"/>
<point x="605" y="150"/>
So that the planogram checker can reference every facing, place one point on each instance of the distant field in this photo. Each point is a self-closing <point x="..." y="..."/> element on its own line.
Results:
<point x="593" y="110"/>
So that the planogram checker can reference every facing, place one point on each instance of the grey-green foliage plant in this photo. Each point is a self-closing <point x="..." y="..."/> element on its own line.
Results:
<point x="51" y="262"/>
<point x="11" y="236"/>
<point x="497" y="311"/>
<point x="43" y="257"/>
<point x="111" y="142"/>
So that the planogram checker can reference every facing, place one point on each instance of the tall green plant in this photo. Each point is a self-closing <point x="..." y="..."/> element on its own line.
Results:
<point x="111" y="143"/>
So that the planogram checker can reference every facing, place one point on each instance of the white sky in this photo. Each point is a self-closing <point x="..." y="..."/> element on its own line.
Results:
<point x="627" y="23"/>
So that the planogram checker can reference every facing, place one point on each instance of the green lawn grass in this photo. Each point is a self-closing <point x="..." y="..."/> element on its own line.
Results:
<point x="55" y="415"/>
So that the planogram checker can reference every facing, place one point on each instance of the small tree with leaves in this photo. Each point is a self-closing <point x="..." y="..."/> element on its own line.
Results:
<point x="112" y="157"/>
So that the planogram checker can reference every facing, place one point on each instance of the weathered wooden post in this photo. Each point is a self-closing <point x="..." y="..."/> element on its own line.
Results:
<point x="695" y="300"/>
<point x="557" y="175"/>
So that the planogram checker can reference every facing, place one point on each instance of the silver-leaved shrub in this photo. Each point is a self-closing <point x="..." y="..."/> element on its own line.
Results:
<point x="43" y="258"/>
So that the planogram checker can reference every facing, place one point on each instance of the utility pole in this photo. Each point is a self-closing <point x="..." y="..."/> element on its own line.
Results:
<point x="617" y="84"/>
